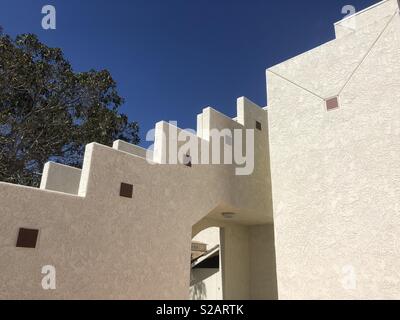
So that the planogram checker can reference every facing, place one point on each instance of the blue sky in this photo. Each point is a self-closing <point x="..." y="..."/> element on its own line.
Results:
<point x="172" y="58"/>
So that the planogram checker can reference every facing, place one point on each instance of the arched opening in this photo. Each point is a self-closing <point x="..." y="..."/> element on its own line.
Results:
<point x="206" y="266"/>
<point x="247" y="260"/>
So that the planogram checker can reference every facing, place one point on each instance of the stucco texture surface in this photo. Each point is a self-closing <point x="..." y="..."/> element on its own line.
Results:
<point x="336" y="174"/>
<point x="105" y="246"/>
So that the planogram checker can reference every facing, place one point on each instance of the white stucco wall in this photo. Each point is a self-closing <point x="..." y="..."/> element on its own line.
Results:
<point x="263" y="282"/>
<point x="58" y="177"/>
<point x="104" y="246"/>
<point x="336" y="185"/>
<point x="133" y="149"/>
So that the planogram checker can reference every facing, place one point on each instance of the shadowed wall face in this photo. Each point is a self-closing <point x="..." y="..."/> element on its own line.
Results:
<point x="263" y="282"/>
<point x="247" y="257"/>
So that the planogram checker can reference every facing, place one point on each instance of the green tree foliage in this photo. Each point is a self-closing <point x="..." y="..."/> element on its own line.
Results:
<point x="50" y="112"/>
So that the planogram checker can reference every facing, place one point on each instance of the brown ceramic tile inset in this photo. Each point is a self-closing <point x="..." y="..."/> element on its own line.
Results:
<point x="332" y="103"/>
<point x="27" y="238"/>
<point x="126" y="190"/>
<point x="258" y="125"/>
